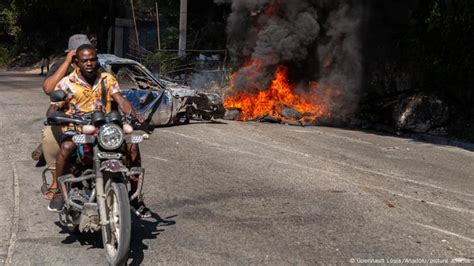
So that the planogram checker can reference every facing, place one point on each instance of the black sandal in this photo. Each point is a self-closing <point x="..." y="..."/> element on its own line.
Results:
<point x="143" y="212"/>
<point x="140" y="209"/>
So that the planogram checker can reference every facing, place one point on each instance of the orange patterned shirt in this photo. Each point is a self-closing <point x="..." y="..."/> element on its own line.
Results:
<point x="83" y="98"/>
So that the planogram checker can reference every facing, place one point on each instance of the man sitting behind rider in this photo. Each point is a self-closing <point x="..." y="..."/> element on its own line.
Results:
<point x="84" y="90"/>
<point x="50" y="144"/>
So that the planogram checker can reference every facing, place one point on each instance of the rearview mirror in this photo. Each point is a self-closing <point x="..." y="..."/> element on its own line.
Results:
<point x="58" y="96"/>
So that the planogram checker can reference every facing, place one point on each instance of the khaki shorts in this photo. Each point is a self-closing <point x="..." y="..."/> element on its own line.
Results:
<point x="51" y="144"/>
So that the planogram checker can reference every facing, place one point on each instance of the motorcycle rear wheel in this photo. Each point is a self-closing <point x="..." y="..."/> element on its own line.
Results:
<point x="116" y="235"/>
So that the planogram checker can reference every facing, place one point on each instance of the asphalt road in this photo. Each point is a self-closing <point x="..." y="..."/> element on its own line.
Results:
<point x="252" y="193"/>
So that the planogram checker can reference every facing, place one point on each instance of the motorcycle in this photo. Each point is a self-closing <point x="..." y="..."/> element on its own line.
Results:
<point x="96" y="189"/>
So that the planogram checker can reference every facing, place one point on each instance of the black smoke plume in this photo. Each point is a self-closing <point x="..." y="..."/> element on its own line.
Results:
<point x="317" y="39"/>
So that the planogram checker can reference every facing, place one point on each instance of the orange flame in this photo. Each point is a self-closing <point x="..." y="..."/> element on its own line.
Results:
<point x="271" y="101"/>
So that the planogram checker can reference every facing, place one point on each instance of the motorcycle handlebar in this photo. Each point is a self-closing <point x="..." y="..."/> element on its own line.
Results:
<point x="61" y="120"/>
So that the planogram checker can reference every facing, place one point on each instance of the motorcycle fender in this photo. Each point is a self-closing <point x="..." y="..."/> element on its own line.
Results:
<point x="113" y="166"/>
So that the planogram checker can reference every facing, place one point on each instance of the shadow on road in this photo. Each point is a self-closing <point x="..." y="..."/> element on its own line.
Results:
<point x="146" y="228"/>
<point x="206" y="122"/>
<point x="423" y="138"/>
<point x="94" y="240"/>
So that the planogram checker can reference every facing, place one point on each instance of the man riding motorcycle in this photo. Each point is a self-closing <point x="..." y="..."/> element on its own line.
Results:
<point x="90" y="90"/>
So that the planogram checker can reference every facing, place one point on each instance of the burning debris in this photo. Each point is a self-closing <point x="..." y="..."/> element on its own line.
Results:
<point x="278" y="103"/>
<point x="297" y="67"/>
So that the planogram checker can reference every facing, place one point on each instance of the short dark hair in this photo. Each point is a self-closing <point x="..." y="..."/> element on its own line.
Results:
<point x="84" y="47"/>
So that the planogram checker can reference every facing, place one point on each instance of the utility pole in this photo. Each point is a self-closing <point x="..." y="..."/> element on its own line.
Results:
<point x="183" y="19"/>
<point x="158" y="25"/>
<point x="136" y="28"/>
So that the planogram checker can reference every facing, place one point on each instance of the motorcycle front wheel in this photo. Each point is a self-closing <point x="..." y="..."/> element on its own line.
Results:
<point x="116" y="234"/>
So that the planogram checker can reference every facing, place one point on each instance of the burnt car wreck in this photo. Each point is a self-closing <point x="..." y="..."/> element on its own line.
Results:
<point x="161" y="102"/>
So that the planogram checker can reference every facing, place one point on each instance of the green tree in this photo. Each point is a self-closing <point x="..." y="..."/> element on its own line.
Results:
<point x="441" y="43"/>
<point x="9" y="30"/>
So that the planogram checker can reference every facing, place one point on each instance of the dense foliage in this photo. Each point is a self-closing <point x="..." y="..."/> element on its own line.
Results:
<point x="423" y="47"/>
<point x="441" y="44"/>
<point x="42" y="27"/>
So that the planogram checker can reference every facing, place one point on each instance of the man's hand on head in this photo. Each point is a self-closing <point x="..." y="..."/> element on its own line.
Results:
<point x="70" y="56"/>
<point x="52" y="80"/>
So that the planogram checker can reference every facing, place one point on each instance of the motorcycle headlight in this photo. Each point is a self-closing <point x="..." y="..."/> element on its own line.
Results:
<point x="110" y="137"/>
